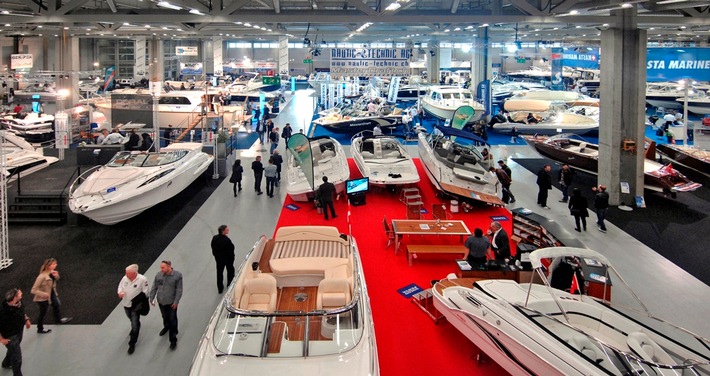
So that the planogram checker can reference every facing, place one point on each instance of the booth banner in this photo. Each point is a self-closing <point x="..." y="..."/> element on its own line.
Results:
<point x="186" y="51"/>
<point x="581" y="57"/>
<point x="21" y="61"/>
<point x="673" y="64"/>
<point x="370" y="62"/>
<point x="484" y="93"/>
<point x="233" y="66"/>
<point x="61" y="130"/>
<point x="190" y="68"/>
<point x="300" y="146"/>
<point x="109" y="78"/>
<point x="393" y="90"/>
<point x="557" y="62"/>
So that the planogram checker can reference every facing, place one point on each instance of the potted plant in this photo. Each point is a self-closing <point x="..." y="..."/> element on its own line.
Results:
<point x="222" y="138"/>
<point x="669" y="136"/>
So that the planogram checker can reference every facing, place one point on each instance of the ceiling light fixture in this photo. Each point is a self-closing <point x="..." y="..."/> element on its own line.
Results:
<point x="392" y="7"/>
<point x="165" y="4"/>
<point x="195" y="11"/>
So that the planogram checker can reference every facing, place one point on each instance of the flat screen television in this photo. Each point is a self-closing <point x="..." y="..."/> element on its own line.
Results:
<point x="357" y="186"/>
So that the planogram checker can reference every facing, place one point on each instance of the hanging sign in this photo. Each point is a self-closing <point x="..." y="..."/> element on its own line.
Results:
<point x="186" y="51"/>
<point x="369" y="62"/>
<point x="556" y="63"/>
<point x="190" y="68"/>
<point x="672" y="64"/>
<point x="581" y="57"/>
<point x="21" y="61"/>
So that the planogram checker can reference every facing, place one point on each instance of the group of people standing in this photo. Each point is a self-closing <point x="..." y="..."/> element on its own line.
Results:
<point x="495" y="246"/>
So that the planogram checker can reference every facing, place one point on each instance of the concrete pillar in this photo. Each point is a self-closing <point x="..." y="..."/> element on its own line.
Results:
<point x="283" y="67"/>
<point x="432" y="62"/>
<point x="444" y="56"/>
<point x="623" y="83"/>
<point x="479" y="61"/>
<point x="139" y="68"/>
<point x="156" y="69"/>
<point x="207" y="48"/>
<point x="68" y="50"/>
<point x="217" y="62"/>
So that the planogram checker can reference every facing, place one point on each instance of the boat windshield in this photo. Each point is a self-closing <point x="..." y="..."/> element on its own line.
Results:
<point x="288" y="335"/>
<point x="616" y="353"/>
<point x="127" y="158"/>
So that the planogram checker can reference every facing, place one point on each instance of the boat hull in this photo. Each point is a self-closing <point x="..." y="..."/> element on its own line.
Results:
<point x="385" y="170"/>
<point x="698" y="160"/>
<point x="335" y="168"/>
<point x="447" y="113"/>
<point x="360" y="124"/>
<point x="663" y="101"/>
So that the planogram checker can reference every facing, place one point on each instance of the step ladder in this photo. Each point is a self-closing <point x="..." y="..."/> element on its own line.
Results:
<point x="413" y="200"/>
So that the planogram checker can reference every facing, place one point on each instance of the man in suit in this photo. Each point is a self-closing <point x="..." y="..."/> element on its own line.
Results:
<point x="544" y="182"/>
<point x="499" y="241"/>
<point x="223" y="252"/>
<point x="326" y="192"/>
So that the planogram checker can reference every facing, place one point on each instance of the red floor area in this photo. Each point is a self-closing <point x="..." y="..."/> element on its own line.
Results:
<point x="409" y="342"/>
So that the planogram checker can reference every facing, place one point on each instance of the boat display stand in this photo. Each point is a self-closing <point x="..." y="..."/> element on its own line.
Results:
<point x="424" y="300"/>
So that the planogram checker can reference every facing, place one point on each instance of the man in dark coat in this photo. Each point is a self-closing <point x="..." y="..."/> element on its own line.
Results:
<point x="565" y="177"/>
<point x="12" y="319"/>
<point x="258" y="168"/>
<point x="326" y="192"/>
<point x="278" y="161"/>
<point x="544" y="182"/>
<point x="499" y="241"/>
<point x="505" y="168"/>
<point x="223" y="252"/>
<point x="601" y="205"/>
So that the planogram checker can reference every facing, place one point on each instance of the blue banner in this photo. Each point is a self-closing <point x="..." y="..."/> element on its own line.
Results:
<point x="673" y="64"/>
<point x="556" y="61"/>
<point x="484" y="93"/>
<point x="581" y="57"/>
<point x="109" y="78"/>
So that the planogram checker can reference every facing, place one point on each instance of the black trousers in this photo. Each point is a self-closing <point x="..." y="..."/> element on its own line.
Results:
<point x="43" y="307"/>
<point x="326" y="205"/>
<point x="13" y="358"/>
<point x="170" y="320"/>
<point x="542" y="197"/>
<point x="257" y="182"/>
<point x="221" y="264"/>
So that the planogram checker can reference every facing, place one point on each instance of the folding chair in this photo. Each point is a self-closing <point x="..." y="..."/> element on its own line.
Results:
<point x="388" y="231"/>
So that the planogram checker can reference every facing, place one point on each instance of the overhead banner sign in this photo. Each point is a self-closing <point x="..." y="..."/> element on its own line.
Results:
<point x="581" y="57"/>
<point x="369" y="62"/>
<point x="190" y="68"/>
<point x="672" y="64"/>
<point x="234" y="65"/>
<point x="556" y="63"/>
<point x="20" y="61"/>
<point x="186" y="51"/>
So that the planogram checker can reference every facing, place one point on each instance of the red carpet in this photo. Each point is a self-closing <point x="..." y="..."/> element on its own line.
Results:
<point x="409" y="343"/>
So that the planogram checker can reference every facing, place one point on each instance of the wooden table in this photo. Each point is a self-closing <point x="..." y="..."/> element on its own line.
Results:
<point x="427" y="227"/>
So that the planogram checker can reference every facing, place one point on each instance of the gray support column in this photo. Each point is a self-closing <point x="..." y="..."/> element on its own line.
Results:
<point x="68" y="63"/>
<point x="623" y="83"/>
<point x="217" y="61"/>
<point x="207" y="48"/>
<point x="479" y="62"/>
<point x="139" y="68"/>
<point x="432" y="62"/>
<point x="157" y="73"/>
<point x="283" y="57"/>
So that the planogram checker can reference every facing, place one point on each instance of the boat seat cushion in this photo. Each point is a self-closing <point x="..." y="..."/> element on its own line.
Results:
<point x="367" y="155"/>
<point x="333" y="293"/>
<point x="647" y="349"/>
<point x="259" y="294"/>
<point x="305" y="265"/>
<point x="585" y="346"/>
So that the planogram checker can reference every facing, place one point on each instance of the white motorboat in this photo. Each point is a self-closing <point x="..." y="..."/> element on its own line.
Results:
<point x="442" y="101"/>
<point x="698" y="103"/>
<point x="455" y="165"/>
<point x="21" y="158"/>
<point x="132" y="182"/>
<point x="299" y="306"/>
<point x="663" y="95"/>
<point x="329" y="160"/>
<point x="355" y="117"/>
<point x="384" y="160"/>
<point x="553" y="123"/>
<point x="535" y="329"/>
<point x="34" y="127"/>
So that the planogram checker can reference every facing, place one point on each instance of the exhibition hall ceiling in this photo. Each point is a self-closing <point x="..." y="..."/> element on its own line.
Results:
<point x="572" y="22"/>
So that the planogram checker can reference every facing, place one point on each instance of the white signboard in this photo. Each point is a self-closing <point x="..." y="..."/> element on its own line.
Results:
<point x="393" y="90"/>
<point x="186" y="51"/>
<point x="21" y="61"/>
<point x="369" y="62"/>
<point x="61" y="130"/>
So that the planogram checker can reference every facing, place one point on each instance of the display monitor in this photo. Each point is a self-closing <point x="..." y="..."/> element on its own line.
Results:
<point x="357" y="186"/>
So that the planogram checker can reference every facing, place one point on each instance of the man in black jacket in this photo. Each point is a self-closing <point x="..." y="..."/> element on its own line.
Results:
<point x="12" y="319"/>
<point x="601" y="205"/>
<point x="499" y="241"/>
<point x="223" y="252"/>
<point x="507" y="190"/>
<point x="258" y="168"/>
<point x="326" y="192"/>
<point x="544" y="182"/>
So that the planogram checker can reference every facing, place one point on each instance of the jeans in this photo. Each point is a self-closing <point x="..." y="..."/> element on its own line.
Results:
<point x="565" y="192"/>
<point x="170" y="320"/>
<point x="135" y="318"/>
<point x="43" y="306"/>
<point x="270" y="182"/>
<point x="14" y="354"/>
<point x="601" y="215"/>
<point x="273" y="147"/>
<point x="221" y="264"/>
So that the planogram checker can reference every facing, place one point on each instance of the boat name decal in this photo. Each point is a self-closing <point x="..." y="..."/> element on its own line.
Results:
<point x="112" y="189"/>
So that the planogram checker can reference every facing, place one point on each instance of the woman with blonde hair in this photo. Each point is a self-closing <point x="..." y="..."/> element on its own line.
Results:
<point x="45" y="292"/>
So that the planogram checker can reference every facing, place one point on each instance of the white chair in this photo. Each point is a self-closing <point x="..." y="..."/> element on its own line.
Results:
<point x="586" y="347"/>
<point x="647" y="349"/>
<point x="333" y="293"/>
<point x="582" y="146"/>
<point x="259" y="294"/>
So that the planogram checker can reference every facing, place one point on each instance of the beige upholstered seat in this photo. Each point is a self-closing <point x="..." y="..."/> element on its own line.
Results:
<point x="333" y="293"/>
<point x="586" y="347"/>
<point x="647" y="349"/>
<point x="259" y="294"/>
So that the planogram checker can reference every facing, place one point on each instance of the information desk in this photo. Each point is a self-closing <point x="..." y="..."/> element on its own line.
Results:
<point x="427" y="227"/>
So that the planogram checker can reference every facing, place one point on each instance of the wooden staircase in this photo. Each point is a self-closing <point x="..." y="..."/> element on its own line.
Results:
<point x="198" y="118"/>
<point x="38" y="208"/>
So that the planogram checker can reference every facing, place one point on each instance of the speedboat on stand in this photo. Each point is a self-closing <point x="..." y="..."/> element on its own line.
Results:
<point x="536" y="329"/>
<point x="442" y="101"/>
<point x="663" y="95"/>
<point x="384" y="160"/>
<point x="329" y="160"/>
<point x="34" y="127"/>
<point x="21" y="158"/>
<point x="355" y="117"/>
<point x="455" y="165"/>
<point x="132" y="182"/>
<point x="577" y="152"/>
<point x="299" y="306"/>
<point x="696" y="159"/>
<point x="698" y="103"/>
<point x="553" y="123"/>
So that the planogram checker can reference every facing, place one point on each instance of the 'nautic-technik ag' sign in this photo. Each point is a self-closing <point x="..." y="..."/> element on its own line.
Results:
<point x="672" y="64"/>
<point x="369" y="62"/>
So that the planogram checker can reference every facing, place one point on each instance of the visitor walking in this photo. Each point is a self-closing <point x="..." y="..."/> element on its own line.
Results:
<point x="258" y="169"/>
<point x="601" y="205"/>
<point x="544" y="183"/>
<point x="578" y="208"/>
<point x="565" y="177"/>
<point x="12" y="319"/>
<point x="45" y="294"/>
<point x="236" y="178"/>
<point x="270" y="173"/>
<point x="223" y="252"/>
<point x="167" y="290"/>
<point x="286" y="133"/>
<point x="133" y="291"/>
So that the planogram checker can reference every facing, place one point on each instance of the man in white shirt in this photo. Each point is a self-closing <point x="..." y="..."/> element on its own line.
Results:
<point x="377" y="131"/>
<point x="113" y="139"/>
<point x="130" y="287"/>
<point x="102" y="137"/>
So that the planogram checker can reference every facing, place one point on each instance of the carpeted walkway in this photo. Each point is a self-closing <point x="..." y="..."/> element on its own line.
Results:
<point x="664" y="225"/>
<point x="409" y="342"/>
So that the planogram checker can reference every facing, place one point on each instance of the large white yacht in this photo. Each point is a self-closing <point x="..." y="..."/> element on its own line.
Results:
<point x="442" y="101"/>
<point x="384" y="160"/>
